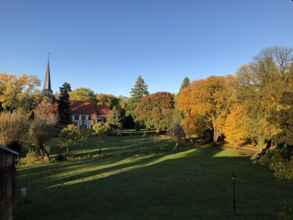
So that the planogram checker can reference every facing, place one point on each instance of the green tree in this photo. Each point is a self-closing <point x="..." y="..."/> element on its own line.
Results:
<point x="64" y="111"/>
<point x="114" y="119"/>
<point x="185" y="83"/>
<point x="70" y="136"/>
<point x="82" y="94"/>
<point x="139" y="90"/>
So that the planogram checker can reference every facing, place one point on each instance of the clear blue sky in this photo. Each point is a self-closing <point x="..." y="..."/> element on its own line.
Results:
<point x="106" y="44"/>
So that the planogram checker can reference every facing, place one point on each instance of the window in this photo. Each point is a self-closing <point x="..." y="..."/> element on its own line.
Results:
<point x="76" y="117"/>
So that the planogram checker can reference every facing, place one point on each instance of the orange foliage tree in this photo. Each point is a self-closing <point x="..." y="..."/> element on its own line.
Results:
<point x="236" y="128"/>
<point x="156" y="110"/>
<point x="209" y="99"/>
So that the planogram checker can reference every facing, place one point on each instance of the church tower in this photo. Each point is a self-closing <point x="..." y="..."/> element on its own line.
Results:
<point x="47" y="90"/>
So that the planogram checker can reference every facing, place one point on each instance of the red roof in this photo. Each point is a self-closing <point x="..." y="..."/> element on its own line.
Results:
<point x="104" y="110"/>
<point x="83" y="107"/>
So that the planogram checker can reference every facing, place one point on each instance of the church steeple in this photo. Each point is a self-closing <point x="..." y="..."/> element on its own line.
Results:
<point x="47" y="90"/>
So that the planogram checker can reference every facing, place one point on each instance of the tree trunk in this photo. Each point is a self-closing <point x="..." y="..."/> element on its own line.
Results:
<point x="216" y="135"/>
<point x="44" y="152"/>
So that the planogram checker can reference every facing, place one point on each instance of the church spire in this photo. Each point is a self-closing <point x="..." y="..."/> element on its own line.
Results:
<point x="47" y="84"/>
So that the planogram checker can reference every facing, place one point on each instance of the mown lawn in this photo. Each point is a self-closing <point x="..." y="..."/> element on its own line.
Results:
<point x="141" y="180"/>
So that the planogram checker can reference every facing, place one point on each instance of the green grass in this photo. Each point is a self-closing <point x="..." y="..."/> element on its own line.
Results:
<point x="147" y="182"/>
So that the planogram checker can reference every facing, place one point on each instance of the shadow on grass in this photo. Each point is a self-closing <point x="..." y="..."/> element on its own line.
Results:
<point x="191" y="184"/>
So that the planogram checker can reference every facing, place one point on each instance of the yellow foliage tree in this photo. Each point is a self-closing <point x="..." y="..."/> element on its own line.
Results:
<point x="236" y="129"/>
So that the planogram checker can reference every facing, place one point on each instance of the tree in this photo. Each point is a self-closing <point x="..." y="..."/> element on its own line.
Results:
<point x="210" y="99"/>
<point x="40" y="132"/>
<point x="139" y="90"/>
<point x="260" y="88"/>
<point x="82" y="94"/>
<point x="178" y="135"/>
<point x="114" y="119"/>
<point x="107" y="100"/>
<point x="100" y="129"/>
<point x="156" y="110"/>
<point x="70" y="135"/>
<point x="236" y="128"/>
<point x="196" y="126"/>
<point x="185" y="83"/>
<point x="13" y="127"/>
<point x="67" y="87"/>
<point x="18" y="92"/>
<point x="281" y="56"/>
<point x="64" y="105"/>
<point x="46" y="111"/>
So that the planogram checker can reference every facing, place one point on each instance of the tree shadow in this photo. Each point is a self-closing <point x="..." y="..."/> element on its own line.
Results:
<point x="191" y="184"/>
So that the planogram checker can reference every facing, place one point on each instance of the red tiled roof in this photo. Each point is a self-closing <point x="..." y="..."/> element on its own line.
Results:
<point x="104" y="110"/>
<point x="83" y="107"/>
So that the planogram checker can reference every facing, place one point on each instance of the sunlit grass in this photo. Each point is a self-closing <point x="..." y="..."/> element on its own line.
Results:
<point x="150" y="184"/>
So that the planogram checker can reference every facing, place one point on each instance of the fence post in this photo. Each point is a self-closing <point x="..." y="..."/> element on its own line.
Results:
<point x="234" y="178"/>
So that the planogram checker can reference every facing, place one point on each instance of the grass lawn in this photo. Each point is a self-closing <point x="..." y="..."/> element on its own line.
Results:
<point x="147" y="182"/>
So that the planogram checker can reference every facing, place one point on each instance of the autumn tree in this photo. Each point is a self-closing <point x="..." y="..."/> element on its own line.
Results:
<point x="107" y="100"/>
<point x="82" y="94"/>
<point x="260" y="89"/>
<point x="43" y="127"/>
<point x="281" y="56"/>
<point x="156" y="110"/>
<point x="47" y="111"/>
<point x="18" y="92"/>
<point x="237" y="124"/>
<point x="209" y="100"/>
<point x="13" y="127"/>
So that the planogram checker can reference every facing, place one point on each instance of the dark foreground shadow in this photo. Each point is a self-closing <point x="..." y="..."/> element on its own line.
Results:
<point x="192" y="184"/>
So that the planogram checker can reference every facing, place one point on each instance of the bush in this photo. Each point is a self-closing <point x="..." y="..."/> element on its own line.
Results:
<point x="40" y="133"/>
<point x="178" y="135"/>
<point x="31" y="158"/>
<point x="283" y="169"/>
<point x="70" y="135"/>
<point x="280" y="166"/>
<point x="100" y="129"/>
<point x="13" y="126"/>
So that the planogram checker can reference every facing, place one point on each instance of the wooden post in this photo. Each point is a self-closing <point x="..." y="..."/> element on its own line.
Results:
<point x="7" y="182"/>
<point x="234" y="193"/>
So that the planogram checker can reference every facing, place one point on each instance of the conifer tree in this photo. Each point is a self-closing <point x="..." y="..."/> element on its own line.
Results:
<point x="64" y="105"/>
<point x="185" y="83"/>
<point x="139" y="90"/>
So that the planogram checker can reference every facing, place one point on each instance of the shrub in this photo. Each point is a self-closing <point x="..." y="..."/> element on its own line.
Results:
<point x="280" y="166"/>
<point x="31" y="158"/>
<point x="40" y="132"/>
<point x="282" y="169"/>
<point x="70" y="135"/>
<point x="13" y="126"/>
<point x="100" y="129"/>
<point x="178" y="135"/>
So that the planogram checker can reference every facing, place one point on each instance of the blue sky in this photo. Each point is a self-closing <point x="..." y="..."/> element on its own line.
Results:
<point x="106" y="44"/>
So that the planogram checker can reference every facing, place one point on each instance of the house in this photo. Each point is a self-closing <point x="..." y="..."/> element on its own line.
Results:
<point x="103" y="112"/>
<point x="85" y="113"/>
<point x="7" y="182"/>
